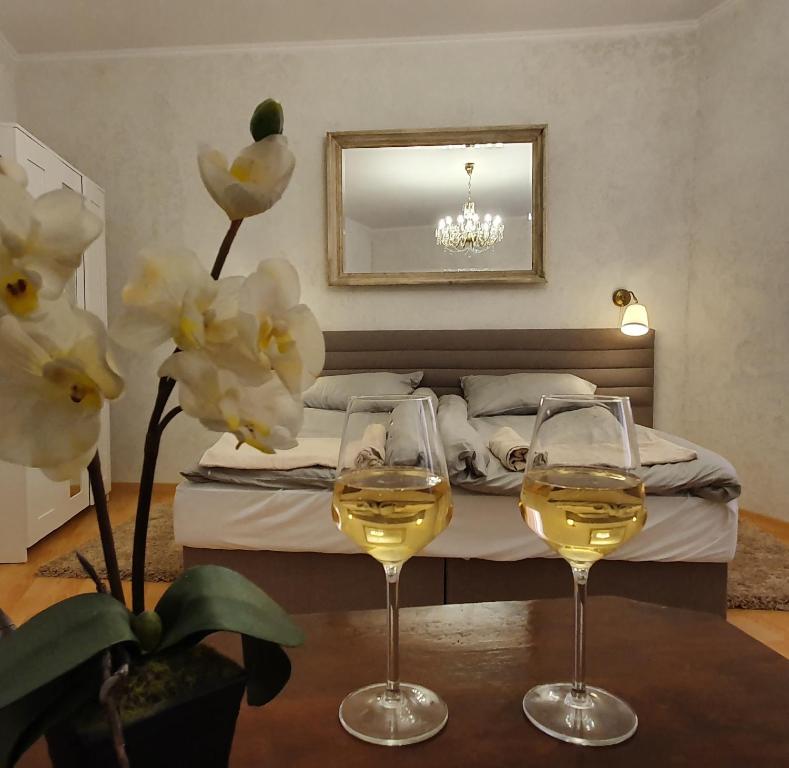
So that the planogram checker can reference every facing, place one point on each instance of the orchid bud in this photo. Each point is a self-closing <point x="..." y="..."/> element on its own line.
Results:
<point x="267" y="119"/>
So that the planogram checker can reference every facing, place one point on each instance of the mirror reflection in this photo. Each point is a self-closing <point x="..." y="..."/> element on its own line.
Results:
<point x="433" y="211"/>
<point x="437" y="209"/>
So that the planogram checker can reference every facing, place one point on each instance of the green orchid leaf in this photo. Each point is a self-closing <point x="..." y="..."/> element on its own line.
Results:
<point x="48" y="668"/>
<point x="268" y="670"/>
<point x="210" y="598"/>
<point x="59" y="639"/>
<point x="25" y="720"/>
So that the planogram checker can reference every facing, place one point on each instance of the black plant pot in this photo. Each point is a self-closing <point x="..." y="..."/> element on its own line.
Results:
<point x="195" y="730"/>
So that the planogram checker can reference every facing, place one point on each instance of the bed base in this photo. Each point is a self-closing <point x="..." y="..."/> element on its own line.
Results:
<point x="308" y="582"/>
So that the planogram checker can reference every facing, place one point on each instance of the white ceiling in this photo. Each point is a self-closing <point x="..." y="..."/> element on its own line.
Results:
<point x="415" y="186"/>
<point x="47" y="26"/>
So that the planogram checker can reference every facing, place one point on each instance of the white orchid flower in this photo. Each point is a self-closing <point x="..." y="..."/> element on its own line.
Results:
<point x="54" y="378"/>
<point x="172" y="296"/>
<point x="19" y="286"/>
<point x="247" y="325"/>
<point x="13" y="170"/>
<point x="280" y="331"/>
<point x="41" y="241"/>
<point x="255" y="180"/>
<point x="265" y="416"/>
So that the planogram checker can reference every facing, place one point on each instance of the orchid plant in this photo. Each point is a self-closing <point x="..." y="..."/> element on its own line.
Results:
<point x="245" y="349"/>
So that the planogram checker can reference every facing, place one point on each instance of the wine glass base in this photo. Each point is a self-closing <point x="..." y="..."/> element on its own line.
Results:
<point x="417" y="715"/>
<point x="598" y="720"/>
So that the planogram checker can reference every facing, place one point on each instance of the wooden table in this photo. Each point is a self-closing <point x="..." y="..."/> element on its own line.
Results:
<point x="705" y="693"/>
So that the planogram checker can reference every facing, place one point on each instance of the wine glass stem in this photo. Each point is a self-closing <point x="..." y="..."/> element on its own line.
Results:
<point x="393" y="631"/>
<point x="580" y="577"/>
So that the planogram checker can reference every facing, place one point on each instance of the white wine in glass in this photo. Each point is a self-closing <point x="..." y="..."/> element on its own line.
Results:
<point x="581" y="495"/>
<point x="391" y="512"/>
<point x="584" y="513"/>
<point x="392" y="503"/>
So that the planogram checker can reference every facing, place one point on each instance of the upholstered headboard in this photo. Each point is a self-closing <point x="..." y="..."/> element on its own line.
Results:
<point x="618" y="364"/>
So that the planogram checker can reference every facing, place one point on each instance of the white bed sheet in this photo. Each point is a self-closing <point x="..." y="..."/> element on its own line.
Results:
<point x="217" y="516"/>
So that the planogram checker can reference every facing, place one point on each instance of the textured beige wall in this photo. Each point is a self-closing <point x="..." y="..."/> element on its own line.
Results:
<point x="7" y="82"/>
<point x="738" y="323"/>
<point x="621" y="113"/>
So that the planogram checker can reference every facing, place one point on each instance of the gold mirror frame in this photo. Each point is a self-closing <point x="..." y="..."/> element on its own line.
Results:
<point x="336" y="142"/>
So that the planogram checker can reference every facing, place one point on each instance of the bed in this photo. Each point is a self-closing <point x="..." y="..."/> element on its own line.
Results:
<point x="283" y="537"/>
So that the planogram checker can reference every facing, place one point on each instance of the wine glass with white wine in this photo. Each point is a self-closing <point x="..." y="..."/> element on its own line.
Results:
<point x="392" y="498"/>
<point x="581" y="496"/>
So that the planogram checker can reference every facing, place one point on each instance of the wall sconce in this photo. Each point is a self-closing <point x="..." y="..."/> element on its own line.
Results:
<point x="635" y="321"/>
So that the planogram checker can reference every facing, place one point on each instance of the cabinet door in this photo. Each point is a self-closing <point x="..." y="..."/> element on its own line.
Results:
<point x="95" y="262"/>
<point x="47" y="172"/>
<point x="65" y="177"/>
<point x="51" y="504"/>
<point x="37" y="160"/>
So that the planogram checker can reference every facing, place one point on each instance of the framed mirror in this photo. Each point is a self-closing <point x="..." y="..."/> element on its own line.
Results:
<point x="459" y="205"/>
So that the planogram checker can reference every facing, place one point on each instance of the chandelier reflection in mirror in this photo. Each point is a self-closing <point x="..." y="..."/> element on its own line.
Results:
<point x="468" y="233"/>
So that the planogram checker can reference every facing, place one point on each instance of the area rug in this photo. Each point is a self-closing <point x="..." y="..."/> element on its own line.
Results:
<point x="759" y="573"/>
<point x="163" y="558"/>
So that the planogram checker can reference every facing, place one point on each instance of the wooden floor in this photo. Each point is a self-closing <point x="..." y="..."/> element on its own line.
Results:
<point x="23" y="594"/>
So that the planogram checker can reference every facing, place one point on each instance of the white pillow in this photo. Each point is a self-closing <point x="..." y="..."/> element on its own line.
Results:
<point x="333" y="392"/>
<point x="518" y="393"/>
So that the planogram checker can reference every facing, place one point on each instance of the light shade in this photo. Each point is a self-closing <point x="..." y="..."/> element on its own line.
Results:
<point x="635" y="321"/>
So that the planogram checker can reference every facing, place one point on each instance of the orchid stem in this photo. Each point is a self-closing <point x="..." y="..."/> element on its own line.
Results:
<point x="106" y="697"/>
<point x="224" y="249"/>
<point x="168" y="417"/>
<point x="150" y="456"/>
<point x="105" y="528"/>
<point x="153" y="437"/>
<point x="87" y="566"/>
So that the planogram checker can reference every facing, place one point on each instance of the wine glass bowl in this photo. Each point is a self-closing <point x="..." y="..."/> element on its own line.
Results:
<point x="584" y="513"/>
<point x="392" y="498"/>
<point x="582" y="496"/>
<point x="391" y="512"/>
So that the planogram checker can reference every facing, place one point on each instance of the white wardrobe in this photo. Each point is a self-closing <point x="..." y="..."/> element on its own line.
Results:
<point x="32" y="505"/>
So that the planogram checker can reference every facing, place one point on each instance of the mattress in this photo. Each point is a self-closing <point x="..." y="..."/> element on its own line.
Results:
<point x="220" y="516"/>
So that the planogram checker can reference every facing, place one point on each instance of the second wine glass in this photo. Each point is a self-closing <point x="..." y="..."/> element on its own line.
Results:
<point x="582" y="496"/>
<point x="392" y="498"/>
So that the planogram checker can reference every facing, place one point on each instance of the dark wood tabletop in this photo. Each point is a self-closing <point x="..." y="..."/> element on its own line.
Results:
<point x="705" y="693"/>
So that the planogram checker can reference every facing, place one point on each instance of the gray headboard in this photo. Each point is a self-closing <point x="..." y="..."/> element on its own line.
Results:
<point x="618" y="364"/>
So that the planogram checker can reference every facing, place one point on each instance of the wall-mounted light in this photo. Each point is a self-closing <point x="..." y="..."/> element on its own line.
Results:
<point x="635" y="321"/>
